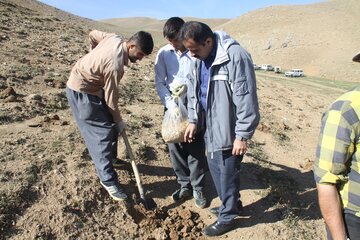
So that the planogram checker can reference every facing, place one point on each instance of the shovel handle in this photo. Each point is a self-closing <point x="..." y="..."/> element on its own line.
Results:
<point x="133" y="164"/>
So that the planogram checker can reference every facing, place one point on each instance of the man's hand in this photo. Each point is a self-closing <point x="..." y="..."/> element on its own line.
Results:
<point x="240" y="147"/>
<point x="179" y="90"/>
<point x="190" y="132"/>
<point x="120" y="126"/>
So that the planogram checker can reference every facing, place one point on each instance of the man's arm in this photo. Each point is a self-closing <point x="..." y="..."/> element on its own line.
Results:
<point x="331" y="210"/>
<point x="160" y="81"/>
<point x="95" y="36"/>
<point x="111" y="94"/>
<point x="244" y="93"/>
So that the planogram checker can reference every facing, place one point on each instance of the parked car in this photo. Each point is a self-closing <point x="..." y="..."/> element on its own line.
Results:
<point x="256" y="67"/>
<point x="294" y="73"/>
<point x="277" y="69"/>
<point x="267" y="67"/>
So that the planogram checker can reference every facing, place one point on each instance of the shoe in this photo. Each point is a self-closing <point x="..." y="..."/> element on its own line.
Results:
<point x="118" y="163"/>
<point x="200" y="200"/>
<point x="182" y="193"/>
<point x="115" y="191"/>
<point x="215" y="210"/>
<point x="217" y="229"/>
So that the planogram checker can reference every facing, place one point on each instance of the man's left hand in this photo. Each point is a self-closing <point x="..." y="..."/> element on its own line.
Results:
<point x="190" y="132"/>
<point x="120" y="126"/>
<point x="240" y="147"/>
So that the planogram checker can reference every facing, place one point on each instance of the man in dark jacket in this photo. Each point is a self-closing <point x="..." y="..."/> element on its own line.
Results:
<point x="222" y="99"/>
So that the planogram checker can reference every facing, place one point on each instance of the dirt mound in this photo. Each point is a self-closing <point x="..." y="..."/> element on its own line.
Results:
<point x="178" y="223"/>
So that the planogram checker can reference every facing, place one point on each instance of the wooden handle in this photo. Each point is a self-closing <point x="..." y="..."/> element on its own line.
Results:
<point x="133" y="164"/>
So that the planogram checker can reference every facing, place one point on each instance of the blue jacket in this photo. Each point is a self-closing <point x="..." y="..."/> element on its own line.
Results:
<point x="232" y="104"/>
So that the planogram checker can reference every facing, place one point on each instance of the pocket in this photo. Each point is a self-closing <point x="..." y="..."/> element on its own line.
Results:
<point x="91" y="108"/>
<point x="241" y="87"/>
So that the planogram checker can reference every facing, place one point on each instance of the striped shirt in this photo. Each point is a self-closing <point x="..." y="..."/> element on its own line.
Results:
<point x="337" y="156"/>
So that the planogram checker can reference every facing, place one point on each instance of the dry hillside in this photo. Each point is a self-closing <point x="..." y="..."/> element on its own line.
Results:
<point x="49" y="188"/>
<point x="321" y="38"/>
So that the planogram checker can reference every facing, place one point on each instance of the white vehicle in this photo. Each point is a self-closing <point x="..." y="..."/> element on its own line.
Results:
<point x="256" y="67"/>
<point x="267" y="67"/>
<point x="294" y="73"/>
<point x="277" y="69"/>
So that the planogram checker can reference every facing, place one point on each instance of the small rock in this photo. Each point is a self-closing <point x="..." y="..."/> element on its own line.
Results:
<point x="35" y="125"/>
<point x="10" y="98"/>
<point x="59" y="84"/>
<point x="7" y="92"/>
<point x="64" y="123"/>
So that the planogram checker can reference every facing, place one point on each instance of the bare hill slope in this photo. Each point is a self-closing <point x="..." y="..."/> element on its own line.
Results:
<point x="49" y="188"/>
<point x="320" y="38"/>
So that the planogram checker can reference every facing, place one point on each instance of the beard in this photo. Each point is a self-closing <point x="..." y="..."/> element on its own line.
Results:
<point x="132" y="59"/>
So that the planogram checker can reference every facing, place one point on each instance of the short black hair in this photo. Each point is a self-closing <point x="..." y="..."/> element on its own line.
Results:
<point x="197" y="31"/>
<point x="172" y="27"/>
<point x="144" y="40"/>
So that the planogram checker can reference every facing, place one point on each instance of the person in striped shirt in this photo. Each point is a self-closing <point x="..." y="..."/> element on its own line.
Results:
<point x="337" y="166"/>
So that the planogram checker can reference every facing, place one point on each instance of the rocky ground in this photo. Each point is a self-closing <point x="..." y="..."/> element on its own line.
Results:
<point x="49" y="188"/>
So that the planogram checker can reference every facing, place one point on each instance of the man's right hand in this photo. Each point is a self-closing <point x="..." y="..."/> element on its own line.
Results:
<point x="120" y="126"/>
<point x="190" y="132"/>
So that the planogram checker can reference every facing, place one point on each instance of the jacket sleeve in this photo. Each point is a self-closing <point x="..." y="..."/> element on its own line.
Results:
<point x="95" y="36"/>
<point x="244" y="94"/>
<point x="192" y="101"/>
<point x="335" y="147"/>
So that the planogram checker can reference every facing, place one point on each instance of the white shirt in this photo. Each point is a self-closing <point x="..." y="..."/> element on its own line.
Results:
<point x="168" y="65"/>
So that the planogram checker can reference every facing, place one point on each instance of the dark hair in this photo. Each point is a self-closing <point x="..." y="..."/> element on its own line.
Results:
<point x="143" y="40"/>
<point x="197" y="31"/>
<point x="172" y="27"/>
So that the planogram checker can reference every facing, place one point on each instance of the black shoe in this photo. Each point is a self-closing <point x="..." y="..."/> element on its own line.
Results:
<point x="200" y="199"/>
<point x="217" y="229"/>
<point x="182" y="194"/>
<point x="118" y="163"/>
<point x="215" y="210"/>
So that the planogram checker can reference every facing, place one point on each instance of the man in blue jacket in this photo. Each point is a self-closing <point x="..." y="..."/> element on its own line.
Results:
<point x="222" y="99"/>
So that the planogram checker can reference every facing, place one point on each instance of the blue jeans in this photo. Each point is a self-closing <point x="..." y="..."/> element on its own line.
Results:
<point x="224" y="169"/>
<point x="98" y="130"/>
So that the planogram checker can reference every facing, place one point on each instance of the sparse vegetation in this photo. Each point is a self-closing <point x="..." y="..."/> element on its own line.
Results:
<point x="49" y="187"/>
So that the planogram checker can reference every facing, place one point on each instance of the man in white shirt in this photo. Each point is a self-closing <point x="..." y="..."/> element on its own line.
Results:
<point x="188" y="159"/>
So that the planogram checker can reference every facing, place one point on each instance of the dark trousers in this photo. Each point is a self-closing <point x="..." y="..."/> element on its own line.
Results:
<point x="189" y="163"/>
<point x="224" y="169"/>
<point x="98" y="130"/>
<point x="352" y="225"/>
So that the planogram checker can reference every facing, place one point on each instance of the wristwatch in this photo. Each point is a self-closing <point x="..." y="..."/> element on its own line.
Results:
<point x="243" y="139"/>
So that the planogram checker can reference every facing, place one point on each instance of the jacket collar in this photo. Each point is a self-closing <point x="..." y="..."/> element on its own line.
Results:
<point x="223" y="41"/>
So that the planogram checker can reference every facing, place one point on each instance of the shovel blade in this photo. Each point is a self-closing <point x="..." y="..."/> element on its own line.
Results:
<point x="148" y="203"/>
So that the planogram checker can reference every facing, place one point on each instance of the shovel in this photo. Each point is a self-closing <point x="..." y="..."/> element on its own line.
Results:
<point x="148" y="203"/>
